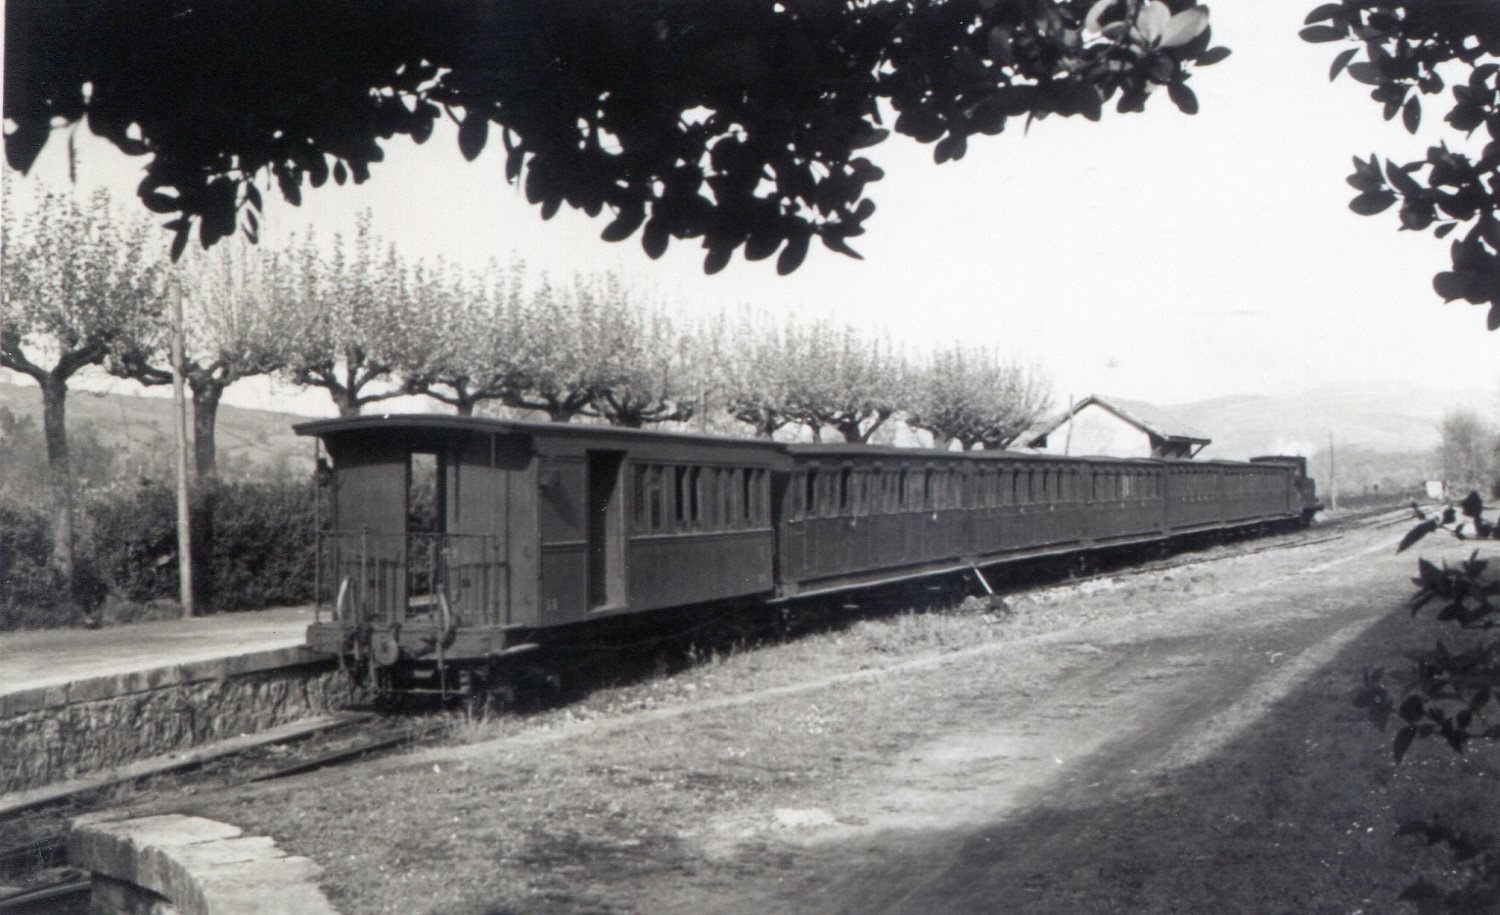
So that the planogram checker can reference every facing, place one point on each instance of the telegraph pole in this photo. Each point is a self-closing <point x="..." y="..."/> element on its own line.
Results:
<point x="1333" y="481"/>
<point x="1068" y="440"/>
<point x="179" y="413"/>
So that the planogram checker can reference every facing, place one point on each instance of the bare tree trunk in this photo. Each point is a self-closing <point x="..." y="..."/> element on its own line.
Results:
<point x="59" y="473"/>
<point x="206" y="397"/>
<point x="344" y="401"/>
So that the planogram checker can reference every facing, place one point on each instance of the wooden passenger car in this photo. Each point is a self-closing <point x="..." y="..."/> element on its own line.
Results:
<point x="457" y="541"/>
<point x="855" y="515"/>
<point x="453" y="538"/>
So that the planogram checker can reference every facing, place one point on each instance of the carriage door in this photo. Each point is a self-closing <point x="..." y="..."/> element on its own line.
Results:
<point x="426" y="523"/>
<point x="606" y="530"/>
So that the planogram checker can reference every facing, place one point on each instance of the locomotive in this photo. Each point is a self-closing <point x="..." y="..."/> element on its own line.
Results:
<point x="458" y="544"/>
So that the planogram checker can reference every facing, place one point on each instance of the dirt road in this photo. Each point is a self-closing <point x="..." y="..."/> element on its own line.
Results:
<point x="1176" y="741"/>
<point x="994" y="809"/>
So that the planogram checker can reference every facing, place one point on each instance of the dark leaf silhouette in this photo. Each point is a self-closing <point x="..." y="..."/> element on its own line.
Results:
<point x="1416" y="533"/>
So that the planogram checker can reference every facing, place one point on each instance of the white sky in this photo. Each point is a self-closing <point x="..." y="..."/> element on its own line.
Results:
<point x="1158" y="256"/>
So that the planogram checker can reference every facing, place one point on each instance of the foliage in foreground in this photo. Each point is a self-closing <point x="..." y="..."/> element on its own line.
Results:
<point x="1404" y="50"/>
<point x="1453" y="692"/>
<point x="741" y="125"/>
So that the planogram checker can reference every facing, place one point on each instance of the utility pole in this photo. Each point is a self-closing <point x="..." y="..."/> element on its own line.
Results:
<point x="179" y="413"/>
<point x="1333" y="481"/>
<point x="1068" y="439"/>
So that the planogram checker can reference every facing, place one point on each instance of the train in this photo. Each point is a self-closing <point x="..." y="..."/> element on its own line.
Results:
<point x="456" y="545"/>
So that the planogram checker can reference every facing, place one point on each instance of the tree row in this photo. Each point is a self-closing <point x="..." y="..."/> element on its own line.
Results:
<point x="87" y="286"/>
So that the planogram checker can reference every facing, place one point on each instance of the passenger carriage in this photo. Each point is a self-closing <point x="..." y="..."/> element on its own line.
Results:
<point x="454" y="540"/>
<point x="857" y="515"/>
<point x="458" y="542"/>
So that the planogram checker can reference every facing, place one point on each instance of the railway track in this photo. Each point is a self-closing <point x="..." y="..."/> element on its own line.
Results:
<point x="33" y="874"/>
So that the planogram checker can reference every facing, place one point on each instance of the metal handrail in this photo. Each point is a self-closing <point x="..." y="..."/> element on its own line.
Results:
<point x="414" y="573"/>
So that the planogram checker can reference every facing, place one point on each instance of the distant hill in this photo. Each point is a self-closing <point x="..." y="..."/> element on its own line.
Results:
<point x="250" y="442"/>
<point x="1378" y="417"/>
<point x="1382" y="432"/>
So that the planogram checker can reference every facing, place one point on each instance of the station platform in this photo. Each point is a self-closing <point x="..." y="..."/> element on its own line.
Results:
<point x="51" y="667"/>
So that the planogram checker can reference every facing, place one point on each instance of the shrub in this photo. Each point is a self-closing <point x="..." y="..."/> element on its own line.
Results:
<point x="258" y="545"/>
<point x="263" y="547"/>
<point x="1450" y="693"/>
<point x="29" y="587"/>
<point x="130" y="535"/>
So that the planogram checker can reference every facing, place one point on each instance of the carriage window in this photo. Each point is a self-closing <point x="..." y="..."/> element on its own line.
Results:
<point x="732" y="496"/>
<point x="656" y="496"/>
<point x="422" y="495"/>
<point x="710" y="498"/>
<point x="680" y="496"/>
<point x="637" y="497"/>
<point x="845" y="496"/>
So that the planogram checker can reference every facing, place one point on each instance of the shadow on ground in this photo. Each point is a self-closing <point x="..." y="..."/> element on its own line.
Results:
<point x="1295" y="814"/>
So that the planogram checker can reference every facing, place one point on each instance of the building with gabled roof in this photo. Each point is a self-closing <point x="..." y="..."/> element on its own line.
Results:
<point x="1094" y="425"/>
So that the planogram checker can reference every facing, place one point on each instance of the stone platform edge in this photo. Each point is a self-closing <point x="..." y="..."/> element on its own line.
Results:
<point x="191" y="865"/>
<point x="94" y="689"/>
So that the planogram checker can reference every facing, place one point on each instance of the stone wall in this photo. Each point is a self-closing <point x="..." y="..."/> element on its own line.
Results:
<point x="191" y="866"/>
<point x="56" y="733"/>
